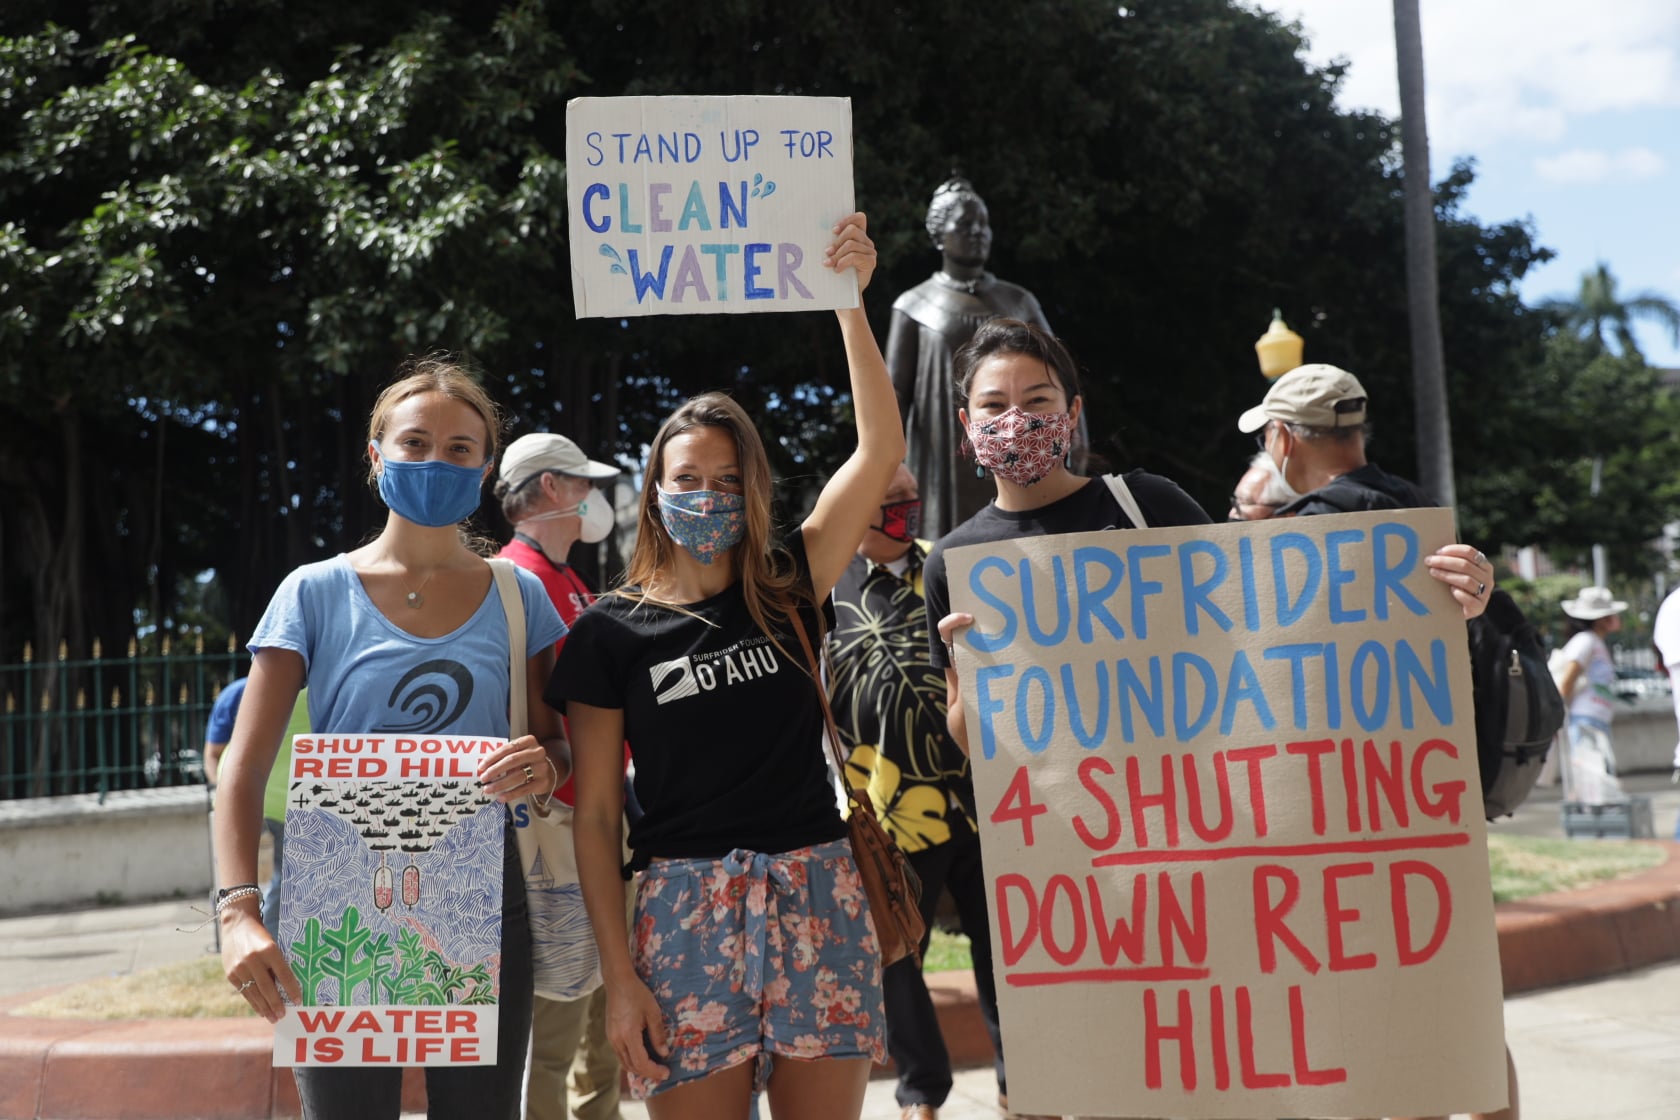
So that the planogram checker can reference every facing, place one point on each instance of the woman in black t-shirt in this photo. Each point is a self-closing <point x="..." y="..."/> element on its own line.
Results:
<point x="1021" y="404"/>
<point x="752" y="936"/>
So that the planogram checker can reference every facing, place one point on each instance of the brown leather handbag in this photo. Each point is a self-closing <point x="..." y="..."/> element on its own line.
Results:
<point x="891" y="884"/>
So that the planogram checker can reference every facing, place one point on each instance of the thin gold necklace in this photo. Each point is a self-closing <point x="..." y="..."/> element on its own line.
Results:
<point x="415" y="600"/>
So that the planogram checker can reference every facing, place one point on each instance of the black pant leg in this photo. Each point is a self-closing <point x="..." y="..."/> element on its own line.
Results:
<point x="914" y="1041"/>
<point x="966" y="880"/>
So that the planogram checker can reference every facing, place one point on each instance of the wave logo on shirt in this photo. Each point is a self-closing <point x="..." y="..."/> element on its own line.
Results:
<point x="432" y="696"/>
<point x="673" y="680"/>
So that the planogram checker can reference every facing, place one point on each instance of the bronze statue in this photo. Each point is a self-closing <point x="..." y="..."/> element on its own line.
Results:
<point x="930" y="322"/>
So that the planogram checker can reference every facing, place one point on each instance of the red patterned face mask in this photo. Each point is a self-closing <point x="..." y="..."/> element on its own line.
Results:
<point x="1019" y="446"/>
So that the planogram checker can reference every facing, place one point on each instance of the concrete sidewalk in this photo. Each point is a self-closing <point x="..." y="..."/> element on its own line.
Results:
<point x="1609" y="1048"/>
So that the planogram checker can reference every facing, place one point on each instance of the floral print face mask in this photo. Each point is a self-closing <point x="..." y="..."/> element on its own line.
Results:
<point x="1020" y="446"/>
<point x="707" y="523"/>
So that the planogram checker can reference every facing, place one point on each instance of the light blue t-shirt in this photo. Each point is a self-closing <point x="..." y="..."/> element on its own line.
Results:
<point x="366" y="674"/>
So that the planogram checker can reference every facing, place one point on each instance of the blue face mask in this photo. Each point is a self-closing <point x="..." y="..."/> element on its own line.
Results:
<point x="431" y="493"/>
<point x="706" y="523"/>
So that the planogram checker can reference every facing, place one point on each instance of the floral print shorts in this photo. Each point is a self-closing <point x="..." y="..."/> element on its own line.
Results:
<point x="753" y="955"/>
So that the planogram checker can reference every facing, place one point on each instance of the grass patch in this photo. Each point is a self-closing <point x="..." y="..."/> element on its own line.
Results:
<point x="947" y="951"/>
<point x="1529" y="865"/>
<point x="194" y="989"/>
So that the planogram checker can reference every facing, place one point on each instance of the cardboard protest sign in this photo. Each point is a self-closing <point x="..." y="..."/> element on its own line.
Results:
<point x="701" y="205"/>
<point x="1231" y="819"/>
<point x="391" y="915"/>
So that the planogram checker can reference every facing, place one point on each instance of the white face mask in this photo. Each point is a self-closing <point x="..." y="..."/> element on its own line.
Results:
<point x="594" y="514"/>
<point x="1270" y="466"/>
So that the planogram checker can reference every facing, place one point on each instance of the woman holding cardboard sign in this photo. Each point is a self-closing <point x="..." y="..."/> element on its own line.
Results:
<point x="405" y="633"/>
<point x="752" y="936"/>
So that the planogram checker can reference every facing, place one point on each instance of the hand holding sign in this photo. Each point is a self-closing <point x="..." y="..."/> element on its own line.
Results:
<point x="852" y="248"/>
<point x="1467" y="572"/>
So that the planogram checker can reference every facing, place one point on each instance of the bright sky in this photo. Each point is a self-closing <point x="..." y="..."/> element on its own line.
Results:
<point x="1571" y="111"/>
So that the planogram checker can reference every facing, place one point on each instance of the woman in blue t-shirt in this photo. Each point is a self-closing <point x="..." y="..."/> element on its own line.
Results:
<point x="405" y="633"/>
<point x="752" y="936"/>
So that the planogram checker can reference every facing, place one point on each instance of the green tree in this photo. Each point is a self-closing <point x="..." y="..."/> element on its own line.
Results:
<point x="205" y="283"/>
<point x="1533" y="483"/>
<point x="1598" y="313"/>
<point x="225" y="224"/>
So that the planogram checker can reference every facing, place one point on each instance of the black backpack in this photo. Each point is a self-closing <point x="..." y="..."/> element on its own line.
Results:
<point x="1518" y="707"/>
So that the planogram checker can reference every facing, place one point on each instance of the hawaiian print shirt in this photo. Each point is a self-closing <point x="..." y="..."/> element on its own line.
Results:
<point x="889" y="705"/>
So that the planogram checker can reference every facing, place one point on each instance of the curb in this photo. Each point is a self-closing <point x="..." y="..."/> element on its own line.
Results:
<point x="218" y="1069"/>
<point x="1563" y="938"/>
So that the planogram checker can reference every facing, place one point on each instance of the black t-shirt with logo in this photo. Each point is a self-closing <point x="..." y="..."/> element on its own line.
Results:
<point x="725" y="729"/>
<point x="1088" y="509"/>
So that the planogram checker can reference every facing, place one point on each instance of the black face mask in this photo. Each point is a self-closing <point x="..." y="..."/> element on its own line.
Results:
<point x="901" y="521"/>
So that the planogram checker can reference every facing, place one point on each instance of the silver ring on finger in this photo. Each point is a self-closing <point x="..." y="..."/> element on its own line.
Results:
<point x="250" y="983"/>
<point x="1480" y="588"/>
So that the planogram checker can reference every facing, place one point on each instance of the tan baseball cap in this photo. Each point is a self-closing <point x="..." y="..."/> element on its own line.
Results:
<point x="529" y="456"/>
<point x="1318" y="396"/>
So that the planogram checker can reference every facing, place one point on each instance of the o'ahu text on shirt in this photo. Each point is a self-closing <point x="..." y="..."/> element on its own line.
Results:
<point x="747" y="660"/>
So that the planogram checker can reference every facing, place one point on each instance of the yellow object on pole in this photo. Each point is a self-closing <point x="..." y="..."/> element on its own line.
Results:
<point x="1279" y="348"/>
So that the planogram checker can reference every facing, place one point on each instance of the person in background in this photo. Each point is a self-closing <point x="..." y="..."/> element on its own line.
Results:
<point x="216" y="738"/>
<point x="889" y="707"/>
<point x="1665" y="640"/>
<point x="1260" y="492"/>
<point x="1588" y="685"/>
<point x="1313" y="419"/>
<point x="549" y="490"/>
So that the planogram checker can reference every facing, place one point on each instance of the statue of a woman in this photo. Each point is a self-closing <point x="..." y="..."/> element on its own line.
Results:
<point x="930" y="322"/>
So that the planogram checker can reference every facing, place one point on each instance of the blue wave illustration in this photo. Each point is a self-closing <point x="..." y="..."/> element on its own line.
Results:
<point x="564" y="947"/>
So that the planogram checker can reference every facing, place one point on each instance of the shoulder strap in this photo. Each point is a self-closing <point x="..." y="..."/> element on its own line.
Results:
<point x="513" y="605"/>
<point x="833" y="733"/>
<point x="1128" y="504"/>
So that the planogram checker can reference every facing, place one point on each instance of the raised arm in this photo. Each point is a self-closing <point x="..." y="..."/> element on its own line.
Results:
<point x="852" y="497"/>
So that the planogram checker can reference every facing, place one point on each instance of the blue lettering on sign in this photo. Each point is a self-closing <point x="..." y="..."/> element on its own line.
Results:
<point x="979" y="639"/>
<point x="646" y="282"/>
<point x="808" y="145"/>
<point x="590" y="193"/>
<point x="987" y="707"/>
<point x="1388" y="577"/>
<point x="1289" y="613"/>
<point x="742" y="145"/>
<point x="660" y="147"/>
<point x="751" y="270"/>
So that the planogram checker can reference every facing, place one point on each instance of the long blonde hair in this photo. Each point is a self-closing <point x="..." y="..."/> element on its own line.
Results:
<point x="769" y="586"/>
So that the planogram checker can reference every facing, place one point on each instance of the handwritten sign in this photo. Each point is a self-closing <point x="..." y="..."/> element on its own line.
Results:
<point x="392" y="903"/>
<point x="1229" y="807"/>
<point x="701" y="205"/>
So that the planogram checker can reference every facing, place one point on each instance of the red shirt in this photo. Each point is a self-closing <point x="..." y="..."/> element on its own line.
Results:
<point x="570" y="596"/>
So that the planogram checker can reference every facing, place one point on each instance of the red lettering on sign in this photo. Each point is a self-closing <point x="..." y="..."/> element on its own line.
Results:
<point x="1400" y="900"/>
<point x="1269" y="918"/>
<point x="1111" y="812"/>
<point x="1018" y="805"/>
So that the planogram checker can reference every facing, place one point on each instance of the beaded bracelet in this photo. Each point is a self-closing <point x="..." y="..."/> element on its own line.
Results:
<point x="230" y="895"/>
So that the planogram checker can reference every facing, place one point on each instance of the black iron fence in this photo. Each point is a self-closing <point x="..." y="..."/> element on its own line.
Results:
<point x="110" y="723"/>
